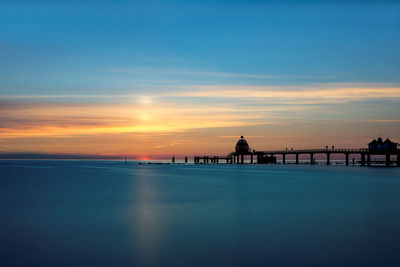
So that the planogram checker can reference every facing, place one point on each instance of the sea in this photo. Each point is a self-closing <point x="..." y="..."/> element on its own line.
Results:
<point x="108" y="213"/>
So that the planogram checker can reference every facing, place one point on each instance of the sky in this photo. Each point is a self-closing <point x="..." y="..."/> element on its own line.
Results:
<point x="150" y="79"/>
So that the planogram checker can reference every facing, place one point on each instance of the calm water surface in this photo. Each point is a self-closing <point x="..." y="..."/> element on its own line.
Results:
<point x="91" y="213"/>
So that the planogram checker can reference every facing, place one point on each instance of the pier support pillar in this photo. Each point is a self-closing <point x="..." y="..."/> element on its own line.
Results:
<point x="398" y="160"/>
<point x="297" y="158"/>
<point x="173" y="159"/>
<point x="387" y="160"/>
<point x="347" y="159"/>
<point x="241" y="159"/>
<point x="251" y="159"/>
<point x="185" y="159"/>
<point x="368" y="159"/>
<point x="362" y="159"/>
<point x="328" y="158"/>
<point x="311" y="158"/>
<point x="283" y="158"/>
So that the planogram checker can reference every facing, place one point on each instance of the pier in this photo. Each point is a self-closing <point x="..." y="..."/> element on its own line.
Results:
<point x="364" y="153"/>
<point x="243" y="153"/>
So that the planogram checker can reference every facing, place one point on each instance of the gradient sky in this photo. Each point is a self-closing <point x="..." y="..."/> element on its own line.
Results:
<point x="152" y="78"/>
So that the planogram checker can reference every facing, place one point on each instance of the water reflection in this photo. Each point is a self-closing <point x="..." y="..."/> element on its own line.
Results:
<point x="146" y="215"/>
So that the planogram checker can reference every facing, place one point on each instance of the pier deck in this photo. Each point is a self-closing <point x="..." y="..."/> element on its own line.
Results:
<point x="365" y="156"/>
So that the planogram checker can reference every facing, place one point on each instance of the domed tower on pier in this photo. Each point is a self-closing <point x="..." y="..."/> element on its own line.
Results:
<point x="242" y="147"/>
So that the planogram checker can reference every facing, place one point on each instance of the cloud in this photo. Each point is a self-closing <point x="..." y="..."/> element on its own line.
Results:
<point x="385" y="120"/>
<point x="204" y="74"/>
<point x="77" y="119"/>
<point x="246" y="75"/>
<point x="295" y="94"/>
<point x="312" y="94"/>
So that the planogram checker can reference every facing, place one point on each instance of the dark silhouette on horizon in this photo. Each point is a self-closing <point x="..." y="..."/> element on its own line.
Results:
<point x="378" y="146"/>
<point x="386" y="148"/>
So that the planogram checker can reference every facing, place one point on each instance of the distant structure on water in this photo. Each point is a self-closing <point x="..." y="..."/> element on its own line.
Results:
<point x="242" y="151"/>
<point x="379" y="146"/>
<point x="242" y="148"/>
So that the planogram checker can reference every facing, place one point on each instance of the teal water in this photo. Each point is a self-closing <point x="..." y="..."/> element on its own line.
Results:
<point x="92" y="213"/>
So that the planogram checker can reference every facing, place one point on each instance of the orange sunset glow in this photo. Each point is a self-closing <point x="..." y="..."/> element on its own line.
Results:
<point x="184" y="122"/>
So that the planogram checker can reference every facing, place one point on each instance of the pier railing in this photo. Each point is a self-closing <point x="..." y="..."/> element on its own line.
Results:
<point x="321" y="150"/>
<point x="269" y="156"/>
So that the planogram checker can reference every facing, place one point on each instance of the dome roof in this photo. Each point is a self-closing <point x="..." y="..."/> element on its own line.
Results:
<point x="242" y="147"/>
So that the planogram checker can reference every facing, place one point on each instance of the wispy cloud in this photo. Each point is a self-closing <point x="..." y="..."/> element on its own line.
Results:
<point x="385" y="120"/>
<point x="201" y="73"/>
<point x="310" y="94"/>
<point x="49" y="119"/>
<point x="247" y="75"/>
<point x="313" y="93"/>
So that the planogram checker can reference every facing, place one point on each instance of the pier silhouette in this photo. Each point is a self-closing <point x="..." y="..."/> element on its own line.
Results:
<point x="242" y="152"/>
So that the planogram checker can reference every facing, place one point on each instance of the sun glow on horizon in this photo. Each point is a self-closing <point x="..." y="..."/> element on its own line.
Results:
<point x="177" y="124"/>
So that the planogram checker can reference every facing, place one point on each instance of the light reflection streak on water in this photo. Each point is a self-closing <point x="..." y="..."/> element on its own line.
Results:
<point x="146" y="214"/>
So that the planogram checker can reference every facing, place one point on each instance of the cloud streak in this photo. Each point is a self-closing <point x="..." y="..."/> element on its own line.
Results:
<point x="300" y="95"/>
<point x="200" y="73"/>
<point x="314" y="93"/>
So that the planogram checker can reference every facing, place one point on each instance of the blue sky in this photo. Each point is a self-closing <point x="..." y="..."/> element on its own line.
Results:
<point x="210" y="54"/>
<point x="70" y="44"/>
